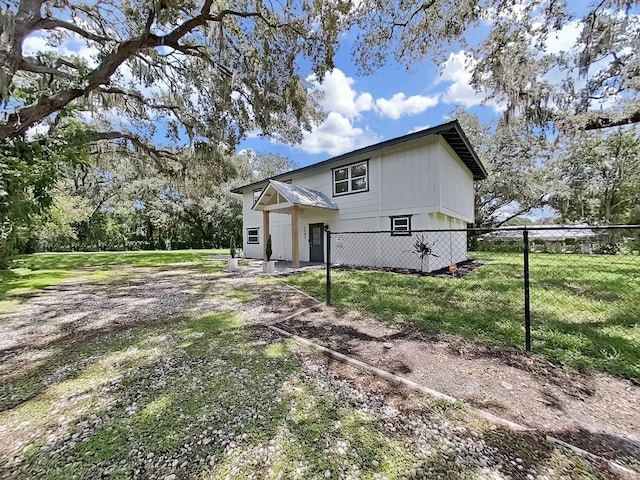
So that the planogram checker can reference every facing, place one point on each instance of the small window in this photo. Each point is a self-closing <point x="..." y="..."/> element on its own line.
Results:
<point x="351" y="179"/>
<point x="401" y="225"/>
<point x="256" y="194"/>
<point x="253" y="235"/>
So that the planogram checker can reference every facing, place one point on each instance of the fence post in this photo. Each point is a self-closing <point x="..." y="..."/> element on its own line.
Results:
<point x="326" y="229"/>
<point x="527" y="304"/>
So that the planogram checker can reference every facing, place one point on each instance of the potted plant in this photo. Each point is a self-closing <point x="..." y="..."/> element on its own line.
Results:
<point x="269" y="266"/>
<point x="233" y="261"/>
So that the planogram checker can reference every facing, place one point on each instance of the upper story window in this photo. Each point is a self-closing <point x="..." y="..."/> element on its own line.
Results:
<point x="401" y="225"/>
<point x="352" y="178"/>
<point x="256" y="195"/>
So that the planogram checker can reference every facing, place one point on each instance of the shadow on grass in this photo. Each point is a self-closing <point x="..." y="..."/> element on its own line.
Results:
<point x="205" y="397"/>
<point x="32" y="273"/>
<point x="487" y="306"/>
<point x="197" y="397"/>
<point x="147" y="388"/>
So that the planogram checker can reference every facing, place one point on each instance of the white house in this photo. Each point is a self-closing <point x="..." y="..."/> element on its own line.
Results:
<point x="423" y="180"/>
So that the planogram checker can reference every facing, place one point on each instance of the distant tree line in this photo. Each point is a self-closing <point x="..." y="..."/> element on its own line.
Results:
<point x="111" y="200"/>
<point x="584" y="177"/>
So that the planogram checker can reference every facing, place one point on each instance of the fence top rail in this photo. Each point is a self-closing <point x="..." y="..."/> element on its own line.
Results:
<point x="499" y="229"/>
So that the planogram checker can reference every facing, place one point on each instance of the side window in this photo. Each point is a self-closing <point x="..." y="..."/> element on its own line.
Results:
<point x="253" y="236"/>
<point x="401" y="225"/>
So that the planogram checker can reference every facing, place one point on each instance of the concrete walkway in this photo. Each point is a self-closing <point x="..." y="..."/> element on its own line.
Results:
<point x="249" y="266"/>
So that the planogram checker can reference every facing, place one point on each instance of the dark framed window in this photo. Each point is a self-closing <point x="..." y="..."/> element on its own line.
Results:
<point x="352" y="178"/>
<point x="400" y="225"/>
<point x="253" y="235"/>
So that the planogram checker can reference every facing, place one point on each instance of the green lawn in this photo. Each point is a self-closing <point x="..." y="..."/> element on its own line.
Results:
<point x="585" y="309"/>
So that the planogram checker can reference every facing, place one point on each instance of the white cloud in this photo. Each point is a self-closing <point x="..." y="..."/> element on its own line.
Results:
<point x="34" y="44"/>
<point x="336" y="135"/>
<point x="418" y="128"/>
<point x="564" y="39"/>
<point x="457" y="69"/>
<point x="398" y="105"/>
<point x="340" y="97"/>
<point x="74" y="45"/>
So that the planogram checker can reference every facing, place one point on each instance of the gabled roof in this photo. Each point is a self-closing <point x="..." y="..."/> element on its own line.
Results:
<point x="304" y="197"/>
<point x="451" y="132"/>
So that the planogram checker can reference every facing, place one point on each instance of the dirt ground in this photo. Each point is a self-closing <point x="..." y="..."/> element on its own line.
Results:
<point x="596" y="412"/>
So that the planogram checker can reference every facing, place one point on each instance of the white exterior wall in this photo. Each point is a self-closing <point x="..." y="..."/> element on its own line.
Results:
<point x="424" y="179"/>
<point x="388" y="251"/>
<point x="456" y="183"/>
<point x="410" y="179"/>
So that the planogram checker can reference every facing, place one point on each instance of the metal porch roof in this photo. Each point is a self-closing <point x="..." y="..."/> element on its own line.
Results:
<point x="296" y="195"/>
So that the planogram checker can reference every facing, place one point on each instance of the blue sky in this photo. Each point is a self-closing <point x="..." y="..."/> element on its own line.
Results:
<point x="391" y="102"/>
<point x="362" y="110"/>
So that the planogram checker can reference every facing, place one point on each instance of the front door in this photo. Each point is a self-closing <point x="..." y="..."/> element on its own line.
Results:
<point x="316" y="242"/>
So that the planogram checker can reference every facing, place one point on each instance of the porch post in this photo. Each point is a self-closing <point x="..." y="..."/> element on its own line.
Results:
<point x="295" y="246"/>
<point x="265" y="233"/>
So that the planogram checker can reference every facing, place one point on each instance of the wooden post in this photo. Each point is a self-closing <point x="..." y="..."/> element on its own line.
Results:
<point x="295" y="245"/>
<point x="265" y="233"/>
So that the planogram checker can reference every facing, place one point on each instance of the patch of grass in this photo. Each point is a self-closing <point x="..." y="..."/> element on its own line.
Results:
<point x="585" y="309"/>
<point x="145" y="402"/>
<point x="31" y="273"/>
<point x="75" y="260"/>
<point x="243" y="294"/>
<point x="442" y="406"/>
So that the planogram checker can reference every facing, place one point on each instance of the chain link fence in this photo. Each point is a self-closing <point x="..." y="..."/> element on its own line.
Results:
<point x="578" y="279"/>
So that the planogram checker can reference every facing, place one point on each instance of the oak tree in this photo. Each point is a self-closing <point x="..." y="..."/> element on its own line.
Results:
<point x="591" y="83"/>
<point x="193" y="71"/>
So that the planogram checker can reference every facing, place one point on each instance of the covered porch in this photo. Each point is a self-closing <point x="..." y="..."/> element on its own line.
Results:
<point x="284" y="198"/>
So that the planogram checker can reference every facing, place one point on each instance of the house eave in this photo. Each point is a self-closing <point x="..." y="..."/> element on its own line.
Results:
<point x="451" y="132"/>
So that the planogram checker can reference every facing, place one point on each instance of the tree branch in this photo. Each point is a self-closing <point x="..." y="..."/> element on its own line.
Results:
<point x="606" y="122"/>
<point x="27" y="66"/>
<point x="17" y="123"/>
<point x="423" y="8"/>
<point x="139" y="97"/>
<point x="53" y="23"/>
<point x="99" y="136"/>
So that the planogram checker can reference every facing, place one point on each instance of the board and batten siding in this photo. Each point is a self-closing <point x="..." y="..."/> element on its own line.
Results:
<point x="424" y="179"/>
<point x="456" y="186"/>
<point x="410" y="178"/>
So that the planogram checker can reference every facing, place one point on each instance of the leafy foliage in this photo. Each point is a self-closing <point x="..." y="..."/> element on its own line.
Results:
<point x="517" y="159"/>
<point x="28" y="171"/>
<point x="268" y="250"/>
<point x="204" y="70"/>
<point x="507" y="45"/>
<point x="599" y="177"/>
<point x="120" y="203"/>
